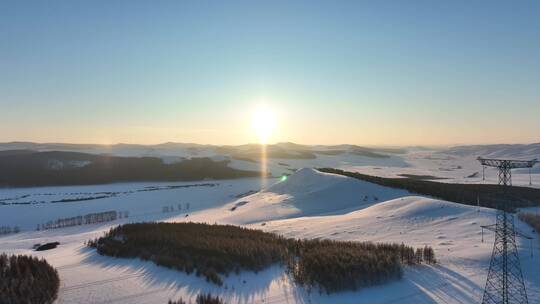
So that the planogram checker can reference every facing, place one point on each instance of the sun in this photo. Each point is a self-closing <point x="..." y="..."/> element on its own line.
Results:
<point x="263" y="123"/>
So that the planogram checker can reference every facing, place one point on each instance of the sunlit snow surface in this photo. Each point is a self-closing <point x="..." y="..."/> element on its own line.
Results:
<point x="308" y="204"/>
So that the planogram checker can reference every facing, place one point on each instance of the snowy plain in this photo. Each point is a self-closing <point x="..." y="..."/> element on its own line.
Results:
<point x="308" y="204"/>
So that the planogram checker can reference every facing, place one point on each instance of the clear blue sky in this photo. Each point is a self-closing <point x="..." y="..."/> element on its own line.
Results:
<point x="362" y="72"/>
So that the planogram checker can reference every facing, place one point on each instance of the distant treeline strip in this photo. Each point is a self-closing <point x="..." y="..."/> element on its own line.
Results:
<point x="9" y="229"/>
<point x="201" y="299"/>
<point x="488" y="195"/>
<point x="90" y="218"/>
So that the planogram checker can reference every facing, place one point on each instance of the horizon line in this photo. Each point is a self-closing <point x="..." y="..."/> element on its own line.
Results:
<point x="268" y="144"/>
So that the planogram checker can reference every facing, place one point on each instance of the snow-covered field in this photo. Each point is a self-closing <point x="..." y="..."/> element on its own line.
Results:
<point x="308" y="204"/>
<point x="451" y="168"/>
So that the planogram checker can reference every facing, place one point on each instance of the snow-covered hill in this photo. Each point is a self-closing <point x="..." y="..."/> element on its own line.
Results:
<point x="453" y="230"/>
<point x="304" y="193"/>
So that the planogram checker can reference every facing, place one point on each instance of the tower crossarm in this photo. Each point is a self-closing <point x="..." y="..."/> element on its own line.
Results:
<point x="489" y="227"/>
<point x="507" y="163"/>
<point x="493" y="228"/>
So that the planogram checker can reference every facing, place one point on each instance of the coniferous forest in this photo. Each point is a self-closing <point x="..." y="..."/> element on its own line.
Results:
<point x="487" y="195"/>
<point x="212" y="251"/>
<point x="207" y="250"/>
<point x="25" y="279"/>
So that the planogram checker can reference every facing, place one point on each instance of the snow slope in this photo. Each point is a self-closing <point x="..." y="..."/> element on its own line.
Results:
<point x="453" y="230"/>
<point x="304" y="193"/>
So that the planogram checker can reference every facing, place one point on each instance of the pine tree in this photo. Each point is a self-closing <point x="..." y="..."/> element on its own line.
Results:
<point x="419" y="255"/>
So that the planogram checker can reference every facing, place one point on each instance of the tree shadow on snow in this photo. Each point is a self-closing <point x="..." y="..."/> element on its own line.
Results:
<point x="245" y="287"/>
<point x="420" y="284"/>
<point x="442" y="284"/>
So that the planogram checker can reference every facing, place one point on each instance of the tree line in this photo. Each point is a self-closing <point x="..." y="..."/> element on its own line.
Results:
<point x="215" y="250"/>
<point x="167" y="209"/>
<point x="90" y="218"/>
<point x="337" y="265"/>
<point x="9" y="229"/>
<point x="201" y="299"/>
<point x="487" y="195"/>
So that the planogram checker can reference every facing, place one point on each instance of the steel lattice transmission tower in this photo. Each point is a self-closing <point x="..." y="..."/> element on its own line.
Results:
<point x="504" y="284"/>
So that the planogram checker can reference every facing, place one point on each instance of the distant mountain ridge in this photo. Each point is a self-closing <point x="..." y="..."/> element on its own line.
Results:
<point x="47" y="164"/>
<point x="521" y="151"/>
<point x="285" y="150"/>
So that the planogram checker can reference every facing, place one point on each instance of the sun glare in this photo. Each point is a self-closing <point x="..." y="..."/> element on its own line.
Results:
<point x="263" y="123"/>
